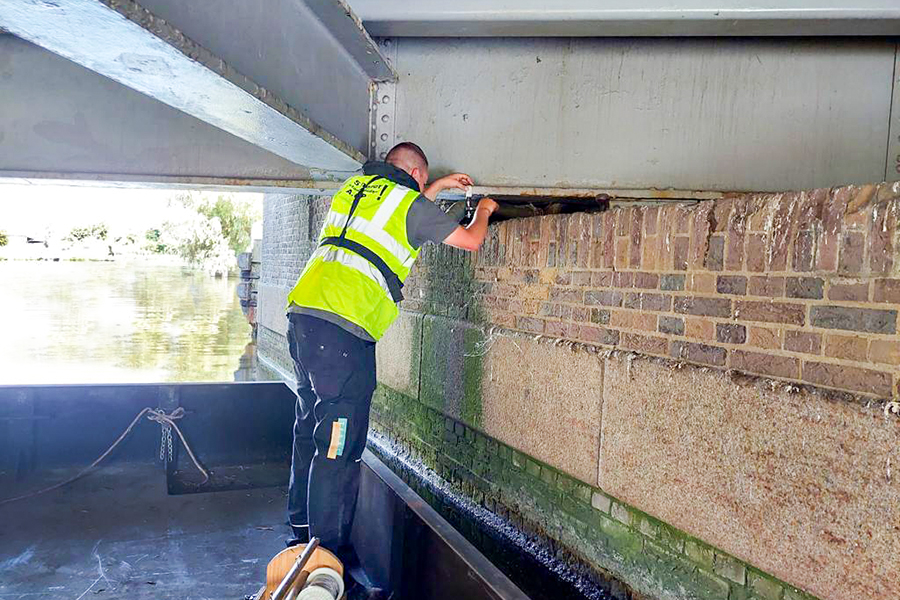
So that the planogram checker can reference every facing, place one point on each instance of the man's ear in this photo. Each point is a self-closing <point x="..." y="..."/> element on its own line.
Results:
<point x="417" y="174"/>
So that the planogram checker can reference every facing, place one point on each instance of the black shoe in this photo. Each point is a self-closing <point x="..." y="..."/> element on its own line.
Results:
<point x="301" y="536"/>
<point x="359" y="586"/>
<point x="359" y="591"/>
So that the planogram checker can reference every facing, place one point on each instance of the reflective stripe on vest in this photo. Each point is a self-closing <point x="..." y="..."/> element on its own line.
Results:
<point x="362" y="261"/>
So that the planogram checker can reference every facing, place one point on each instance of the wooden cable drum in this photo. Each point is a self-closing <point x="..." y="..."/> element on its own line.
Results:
<point x="282" y="562"/>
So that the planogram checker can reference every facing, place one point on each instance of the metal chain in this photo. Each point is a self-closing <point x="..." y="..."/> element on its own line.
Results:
<point x="165" y="443"/>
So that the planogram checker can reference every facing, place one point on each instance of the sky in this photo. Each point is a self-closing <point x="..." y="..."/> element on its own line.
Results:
<point x="39" y="208"/>
<point x="26" y="209"/>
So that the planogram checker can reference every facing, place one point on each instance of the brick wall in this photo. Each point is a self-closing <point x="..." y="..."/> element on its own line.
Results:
<point x="285" y="245"/>
<point x="801" y="287"/>
<point x="291" y="225"/>
<point x="617" y="347"/>
<point x="709" y="369"/>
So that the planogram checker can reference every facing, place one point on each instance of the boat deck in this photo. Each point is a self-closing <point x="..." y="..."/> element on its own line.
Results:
<point x="117" y="534"/>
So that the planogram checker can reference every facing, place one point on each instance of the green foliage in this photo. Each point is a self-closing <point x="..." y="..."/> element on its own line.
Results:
<point x="4" y="239"/>
<point x="235" y="217"/>
<point x="154" y="241"/>
<point x="209" y="232"/>
<point x="97" y="232"/>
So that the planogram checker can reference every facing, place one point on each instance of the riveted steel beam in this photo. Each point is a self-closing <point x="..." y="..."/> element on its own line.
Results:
<point x="124" y="41"/>
<point x="628" y="18"/>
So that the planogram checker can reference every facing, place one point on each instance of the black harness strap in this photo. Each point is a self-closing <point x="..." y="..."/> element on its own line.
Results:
<point x="393" y="281"/>
<point x="355" y="203"/>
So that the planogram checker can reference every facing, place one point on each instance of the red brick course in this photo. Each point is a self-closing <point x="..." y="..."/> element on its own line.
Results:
<point x="803" y="287"/>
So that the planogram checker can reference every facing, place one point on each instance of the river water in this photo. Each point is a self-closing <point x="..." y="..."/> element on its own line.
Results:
<point x="118" y="322"/>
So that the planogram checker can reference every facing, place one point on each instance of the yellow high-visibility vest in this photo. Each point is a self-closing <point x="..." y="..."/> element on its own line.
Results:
<point x="363" y="256"/>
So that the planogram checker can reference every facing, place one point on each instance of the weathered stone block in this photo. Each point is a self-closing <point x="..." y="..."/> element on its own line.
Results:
<point x="398" y="354"/>
<point x="671" y="538"/>
<point x="772" y="510"/>
<point x="620" y="513"/>
<point x="700" y="554"/>
<point x="731" y="569"/>
<point x="711" y="586"/>
<point x="451" y="368"/>
<point x="540" y="398"/>
<point x="648" y="527"/>
<point x="271" y="311"/>
<point x="765" y="587"/>
<point x="600" y="501"/>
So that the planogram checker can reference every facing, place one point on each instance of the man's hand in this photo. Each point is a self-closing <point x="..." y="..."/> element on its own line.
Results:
<point x="470" y="238"/>
<point x="488" y="205"/>
<point x="456" y="180"/>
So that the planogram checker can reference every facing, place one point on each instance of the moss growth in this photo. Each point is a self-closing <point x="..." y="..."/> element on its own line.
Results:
<point x="653" y="556"/>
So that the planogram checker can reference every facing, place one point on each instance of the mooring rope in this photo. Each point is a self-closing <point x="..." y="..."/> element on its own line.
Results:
<point x="153" y="414"/>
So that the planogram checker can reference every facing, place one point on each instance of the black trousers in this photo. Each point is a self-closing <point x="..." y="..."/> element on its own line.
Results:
<point x="335" y="373"/>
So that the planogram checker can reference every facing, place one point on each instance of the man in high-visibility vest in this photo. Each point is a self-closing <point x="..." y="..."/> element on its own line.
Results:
<point x="342" y="304"/>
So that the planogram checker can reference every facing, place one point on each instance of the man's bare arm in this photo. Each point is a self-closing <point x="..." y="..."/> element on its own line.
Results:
<point x="470" y="238"/>
<point x="459" y="181"/>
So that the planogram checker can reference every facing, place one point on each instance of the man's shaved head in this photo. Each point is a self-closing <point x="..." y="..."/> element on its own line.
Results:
<point x="410" y="158"/>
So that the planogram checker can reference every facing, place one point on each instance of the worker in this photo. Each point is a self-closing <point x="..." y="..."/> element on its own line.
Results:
<point x="343" y="303"/>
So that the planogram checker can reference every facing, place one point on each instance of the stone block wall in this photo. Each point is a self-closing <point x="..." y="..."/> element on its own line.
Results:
<point x="689" y="398"/>
<point x="722" y="368"/>
<point x="291" y="226"/>
<point x="583" y="524"/>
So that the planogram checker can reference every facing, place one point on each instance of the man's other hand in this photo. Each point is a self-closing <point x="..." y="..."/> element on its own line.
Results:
<point x="488" y="205"/>
<point x="455" y="180"/>
<point x="470" y="238"/>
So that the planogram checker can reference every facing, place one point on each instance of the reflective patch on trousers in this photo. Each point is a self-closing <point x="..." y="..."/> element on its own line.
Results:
<point x="338" y="438"/>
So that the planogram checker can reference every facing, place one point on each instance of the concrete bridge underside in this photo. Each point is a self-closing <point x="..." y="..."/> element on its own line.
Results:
<point x="636" y="99"/>
<point x="300" y="93"/>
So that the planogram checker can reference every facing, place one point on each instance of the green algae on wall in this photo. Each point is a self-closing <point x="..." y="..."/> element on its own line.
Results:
<point x="595" y="530"/>
<point x="452" y="368"/>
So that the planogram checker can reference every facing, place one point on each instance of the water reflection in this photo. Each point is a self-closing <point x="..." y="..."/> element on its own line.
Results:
<point x="102" y="322"/>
